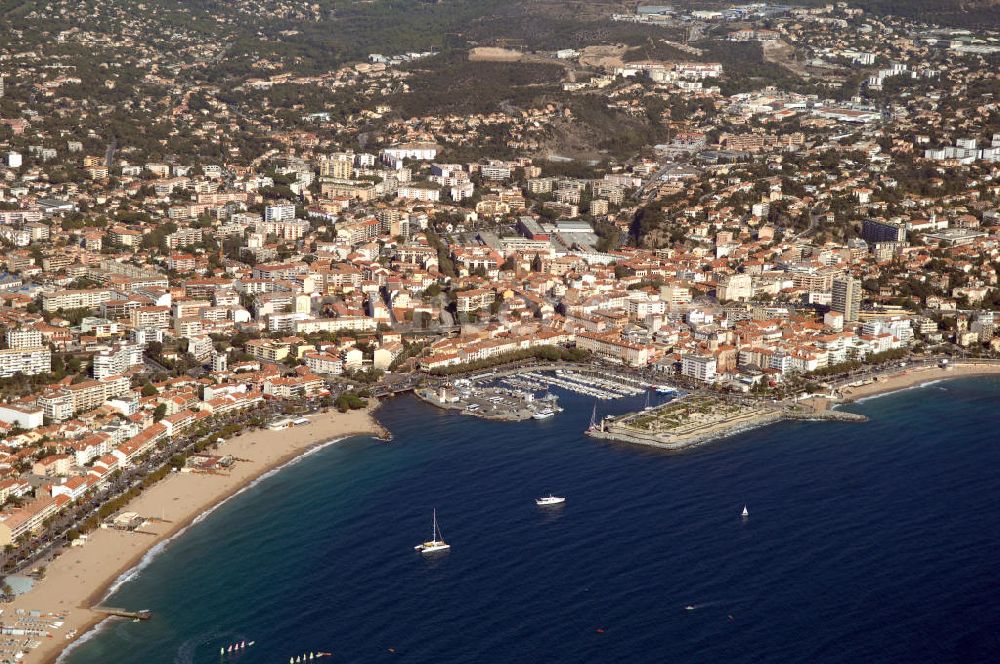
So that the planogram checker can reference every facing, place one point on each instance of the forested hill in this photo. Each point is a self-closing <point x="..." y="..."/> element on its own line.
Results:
<point x="316" y="36"/>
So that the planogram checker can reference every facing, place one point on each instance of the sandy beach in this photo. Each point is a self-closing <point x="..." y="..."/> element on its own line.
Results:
<point x="81" y="577"/>
<point x="910" y="378"/>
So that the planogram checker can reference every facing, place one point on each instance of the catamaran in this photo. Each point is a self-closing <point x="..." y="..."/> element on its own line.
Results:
<point x="550" y="500"/>
<point x="436" y="543"/>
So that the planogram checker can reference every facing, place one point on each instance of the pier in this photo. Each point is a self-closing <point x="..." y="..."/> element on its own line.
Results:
<point x="144" y="614"/>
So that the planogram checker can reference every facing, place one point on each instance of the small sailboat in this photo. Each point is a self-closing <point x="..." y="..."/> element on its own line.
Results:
<point x="230" y="648"/>
<point x="222" y="650"/>
<point x="436" y="543"/>
<point x="550" y="501"/>
<point x="647" y="406"/>
<point x="745" y="513"/>
<point x="593" y="418"/>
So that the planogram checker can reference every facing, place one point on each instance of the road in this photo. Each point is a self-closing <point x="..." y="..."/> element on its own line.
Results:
<point x="18" y="559"/>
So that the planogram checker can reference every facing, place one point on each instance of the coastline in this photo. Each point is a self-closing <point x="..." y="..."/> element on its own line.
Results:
<point x="707" y="432"/>
<point x="82" y="577"/>
<point x="906" y="379"/>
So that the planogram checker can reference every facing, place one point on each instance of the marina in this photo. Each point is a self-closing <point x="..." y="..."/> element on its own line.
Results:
<point x="798" y="477"/>
<point x="493" y="403"/>
<point x="522" y="395"/>
<point x="589" y="385"/>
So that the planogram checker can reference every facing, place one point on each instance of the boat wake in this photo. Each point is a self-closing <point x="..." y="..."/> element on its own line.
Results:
<point x="706" y="605"/>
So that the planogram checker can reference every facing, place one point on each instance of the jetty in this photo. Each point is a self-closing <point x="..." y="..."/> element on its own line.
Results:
<point x="143" y="614"/>
<point x="698" y="418"/>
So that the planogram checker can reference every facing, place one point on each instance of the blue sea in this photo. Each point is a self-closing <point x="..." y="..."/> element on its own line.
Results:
<point x="871" y="542"/>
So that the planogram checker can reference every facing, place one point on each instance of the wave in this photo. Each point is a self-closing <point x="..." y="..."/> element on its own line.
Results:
<point x="83" y="638"/>
<point x="156" y="550"/>
<point x="902" y="389"/>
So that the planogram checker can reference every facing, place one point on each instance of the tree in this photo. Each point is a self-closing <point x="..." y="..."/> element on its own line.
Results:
<point x="160" y="412"/>
<point x="149" y="390"/>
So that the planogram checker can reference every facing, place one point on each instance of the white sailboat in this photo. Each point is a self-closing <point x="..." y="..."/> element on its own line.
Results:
<point x="647" y="407"/>
<point x="745" y="513"/>
<point x="436" y="543"/>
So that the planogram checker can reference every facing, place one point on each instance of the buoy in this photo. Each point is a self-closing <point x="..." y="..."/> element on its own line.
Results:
<point x="600" y="630"/>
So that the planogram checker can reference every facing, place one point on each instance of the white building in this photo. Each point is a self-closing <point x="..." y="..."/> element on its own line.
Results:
<point x="116" y="360"/>
<point x="418" y="151"/>
<point x="699" y="367"/>
<point x="24" y="417"/>
<point x="279" y="212"/>
<point x="28" y="361"/>
<point x="24" y="338"/>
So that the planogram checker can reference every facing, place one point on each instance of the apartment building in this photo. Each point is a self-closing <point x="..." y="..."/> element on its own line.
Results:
<point x="613" y="348"/>
<point x="25" y="520"/>
<point x="116" y="360"/>
<point x="699" y="367"/>
<point x="74" y="299"/>
<point x="27" y="361"/>
<point x="24" y="337"/>
<point x="473" y="300"/>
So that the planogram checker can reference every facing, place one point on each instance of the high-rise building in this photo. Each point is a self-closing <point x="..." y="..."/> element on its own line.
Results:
<point x="339" y="165"/>
<point x="876" y="230"/>
<point x="116" y="360"/>
<point x="279" y="212"/>
<point x="847" y="298"/>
